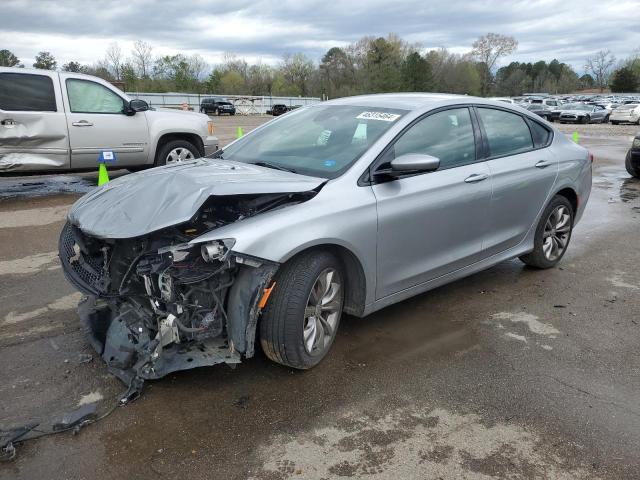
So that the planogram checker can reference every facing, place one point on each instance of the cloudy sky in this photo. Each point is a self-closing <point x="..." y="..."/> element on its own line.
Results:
<point x="568" y="30"/>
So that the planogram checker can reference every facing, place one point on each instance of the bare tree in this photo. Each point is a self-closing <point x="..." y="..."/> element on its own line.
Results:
<point x="600" y="65"/>
<point x="487" y="50"/>
<point x="142" y="57"/>
<point x="113" y="59"/>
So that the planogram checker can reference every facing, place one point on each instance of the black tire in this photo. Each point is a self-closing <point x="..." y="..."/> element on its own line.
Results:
<point x="606" y="119"/>
<point x="537" y="257"/>
<point x="283" y="319"/>
<point x="633" y="170"/>
<point x="586" y="119"/>
<point x="615" y="123"/>
<point x="163" y="151"/>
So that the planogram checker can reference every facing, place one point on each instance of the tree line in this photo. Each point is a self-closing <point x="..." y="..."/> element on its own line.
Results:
<point x="369" y="65"/>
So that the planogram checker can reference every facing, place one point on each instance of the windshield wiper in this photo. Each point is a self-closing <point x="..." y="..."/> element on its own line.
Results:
<point x="274" y="166"/>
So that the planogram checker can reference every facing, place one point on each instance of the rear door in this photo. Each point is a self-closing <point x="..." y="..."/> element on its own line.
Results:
<point x="523" y="172"/>
<point x="432" y="223"/>
<point x="97" y="122"/>
<point x="33" y="128"/>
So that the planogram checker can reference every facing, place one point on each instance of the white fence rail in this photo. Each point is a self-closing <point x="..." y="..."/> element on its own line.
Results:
<point x="245" y="104"/>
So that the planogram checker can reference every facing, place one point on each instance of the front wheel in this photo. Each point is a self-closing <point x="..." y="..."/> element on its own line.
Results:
<point x="299" y="324"/>
<point x="586" y="119"/>
<point x="606" y="119"/>
<point x="552" y="234"/>
<point x="176" y="151"/>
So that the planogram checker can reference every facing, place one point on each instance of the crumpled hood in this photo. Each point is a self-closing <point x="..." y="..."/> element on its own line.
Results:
<point x="151" y="200"/>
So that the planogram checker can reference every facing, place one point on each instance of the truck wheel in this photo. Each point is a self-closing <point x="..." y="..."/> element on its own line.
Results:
<point x="176" y="151"/>
<point x="301" y="318"/>
<point x="632" y="169"/>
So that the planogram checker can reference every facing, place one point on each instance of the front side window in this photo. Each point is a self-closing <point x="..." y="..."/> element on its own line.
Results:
<point x="322" y="140"/>
<point x="447" y="135"/>
<point x="507" y="133"/>
<point x="21" y="92"/>
<point x="90" y="97"/>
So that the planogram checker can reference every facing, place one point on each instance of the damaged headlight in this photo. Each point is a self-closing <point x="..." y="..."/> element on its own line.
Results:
<point x="216" y="250"/>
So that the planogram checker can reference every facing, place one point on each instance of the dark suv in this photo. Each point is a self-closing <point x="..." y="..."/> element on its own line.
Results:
<point x="217" y="106"/>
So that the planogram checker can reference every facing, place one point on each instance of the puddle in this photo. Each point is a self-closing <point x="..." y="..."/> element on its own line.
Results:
<point x="39" y="186"/>
<point x="630" y="190"/>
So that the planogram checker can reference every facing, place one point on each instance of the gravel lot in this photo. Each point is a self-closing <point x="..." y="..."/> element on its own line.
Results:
<point x="510" y="373"/>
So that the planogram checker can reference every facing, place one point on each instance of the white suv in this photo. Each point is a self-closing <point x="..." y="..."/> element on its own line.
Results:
<point x="53" y="121"/>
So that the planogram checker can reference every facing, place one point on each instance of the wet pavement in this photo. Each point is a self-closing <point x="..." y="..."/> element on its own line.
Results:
<point x="512" y="372"/>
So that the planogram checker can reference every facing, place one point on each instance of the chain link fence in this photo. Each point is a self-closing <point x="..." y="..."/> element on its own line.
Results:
<point x="245" y="104"/>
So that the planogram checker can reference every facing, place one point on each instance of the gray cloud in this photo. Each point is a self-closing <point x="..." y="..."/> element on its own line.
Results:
<point x="568" y="30"/>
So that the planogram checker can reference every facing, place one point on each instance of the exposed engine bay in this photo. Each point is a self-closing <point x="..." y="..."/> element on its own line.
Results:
<point x="158" y="303"/>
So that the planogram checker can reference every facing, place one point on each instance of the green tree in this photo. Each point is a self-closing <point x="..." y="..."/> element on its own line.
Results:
<point x="416" y="74"/>
<point x="8" y="59"/>
<point x="383" y="65"/>
<point x="232" y="83"/>
<point x="587" y="81"/>
<point x="45" y="61"/>
<point x="72" y="66"/>
<point x="624" y="80"/>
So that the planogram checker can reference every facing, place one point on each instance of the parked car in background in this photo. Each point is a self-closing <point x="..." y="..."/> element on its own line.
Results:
<point x="582" y="113"/>
<point x="278" y="109"/>
<point x="627" y="113"/>
<point x="541" y="110"/>
<point x="62" y="120"/>
<point x="217" y="106"/>
<point x="547" y="102"/>
<point x="632" y="161"/>
<point x="503" y="99"/>
<point x="349" y="205"/>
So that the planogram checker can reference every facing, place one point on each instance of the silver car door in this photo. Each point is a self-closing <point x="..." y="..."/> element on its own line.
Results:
<point x="433" y="223"/>
<point x="97" y="122"/>
<point x="523" y="173"/>
<point x="33" y="129"/>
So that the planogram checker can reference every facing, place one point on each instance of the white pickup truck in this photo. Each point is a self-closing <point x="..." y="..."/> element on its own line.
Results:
<point x="52" y="121"/>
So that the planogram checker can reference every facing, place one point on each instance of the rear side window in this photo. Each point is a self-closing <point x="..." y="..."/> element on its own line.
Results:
<point x="541" y="136"/>
<point x="20" y="92"/>
<point x="507" y="133"/>
<point x="91" y="97"/>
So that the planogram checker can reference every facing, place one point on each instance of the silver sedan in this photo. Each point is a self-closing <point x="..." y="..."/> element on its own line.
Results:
<point x="346" y="206"/>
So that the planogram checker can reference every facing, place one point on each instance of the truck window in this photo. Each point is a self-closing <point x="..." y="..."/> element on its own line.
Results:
<point x="23" y="92"/>
<point x="90" y="97"/>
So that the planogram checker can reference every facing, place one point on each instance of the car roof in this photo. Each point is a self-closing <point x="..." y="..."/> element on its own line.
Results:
<point x="418" y="101"/>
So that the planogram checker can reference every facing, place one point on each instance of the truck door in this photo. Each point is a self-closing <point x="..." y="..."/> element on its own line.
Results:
<point x="97" y="121"/>
<point x="33" y="128"/>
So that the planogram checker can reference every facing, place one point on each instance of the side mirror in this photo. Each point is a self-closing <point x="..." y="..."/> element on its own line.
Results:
<point x="137" y="105"/>
<point x="414" y="162"/>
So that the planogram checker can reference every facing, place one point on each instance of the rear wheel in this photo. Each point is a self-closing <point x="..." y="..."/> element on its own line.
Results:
<point x="632" y="169"/>
<point x="299" y="324"/>
<point x="615" y="123"/>
<point x="176" y="151"/>
<point x="552" y="234"/>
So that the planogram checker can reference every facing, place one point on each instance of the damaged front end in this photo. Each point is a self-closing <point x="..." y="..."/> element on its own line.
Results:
<point x="161" y="302"/>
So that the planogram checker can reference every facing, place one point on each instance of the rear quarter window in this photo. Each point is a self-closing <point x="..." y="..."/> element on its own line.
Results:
<point x="22" y="92"/>
<point x="541" y="135"/>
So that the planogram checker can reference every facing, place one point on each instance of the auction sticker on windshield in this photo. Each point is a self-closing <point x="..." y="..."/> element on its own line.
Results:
<point x="384" y="116"/>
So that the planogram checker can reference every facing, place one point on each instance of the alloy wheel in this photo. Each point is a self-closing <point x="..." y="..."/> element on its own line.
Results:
<point x="556" y="234"/>
<point x="322" y="313"/>
<point x="179" y="154"/>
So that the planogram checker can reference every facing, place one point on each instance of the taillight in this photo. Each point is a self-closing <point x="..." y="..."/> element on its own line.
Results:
<point x="591" y="157"/>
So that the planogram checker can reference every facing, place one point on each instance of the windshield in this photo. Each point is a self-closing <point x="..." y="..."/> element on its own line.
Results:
<point x="321" y="141"/>
<point x="577" y="106"/>
<point x="536" y="106"/>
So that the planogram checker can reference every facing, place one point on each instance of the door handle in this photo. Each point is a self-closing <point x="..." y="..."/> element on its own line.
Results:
<point x="476" y="177"/>
<point x="82" y="123"/>
<point x="543" y="164"/>
<point x="8" y="122"/>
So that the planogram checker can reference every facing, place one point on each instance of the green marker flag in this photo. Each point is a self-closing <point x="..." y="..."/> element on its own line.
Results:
<point x="239" y="132"/>
<point x="103" y="176"/>
<point x="576" y="137"/>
